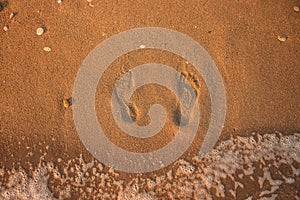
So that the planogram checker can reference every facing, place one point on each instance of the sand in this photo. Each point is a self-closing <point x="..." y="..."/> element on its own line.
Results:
<point x="260" y="73"/>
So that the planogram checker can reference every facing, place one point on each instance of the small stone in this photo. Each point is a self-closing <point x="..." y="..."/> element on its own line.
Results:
<point x="282" y="38"/>
<point x="142" y="46"/>
<point x="40" y="31"/>
<point x="5" y="28"/>
<point x="67" y="102"/>
<point x="59" y="1"/>
<point x="296" y="8"/>
<point x="47" y="49"/>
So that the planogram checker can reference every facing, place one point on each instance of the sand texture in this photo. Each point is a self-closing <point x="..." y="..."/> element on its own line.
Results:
<point x="254" y="44"/>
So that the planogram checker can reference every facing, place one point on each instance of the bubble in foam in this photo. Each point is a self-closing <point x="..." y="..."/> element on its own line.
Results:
<point x="22" y="187"/>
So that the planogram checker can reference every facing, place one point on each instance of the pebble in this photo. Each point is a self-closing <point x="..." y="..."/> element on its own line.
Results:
<point x="282" y="38"/>
<point x="59" y="1"/>
<point x="5" y="28"/>
<point x="47" y="49"/>
<point x="40" y="31"/>
<point x="296" y="8"/>
<point x="67" y="102"/>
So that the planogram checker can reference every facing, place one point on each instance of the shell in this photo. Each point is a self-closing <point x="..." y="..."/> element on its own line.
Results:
<point x="47" y="49"/>
<point x="296" y="8"/>
<point x="5" y="28"/>
<point x="12" y="15"/>
<point x="40" y="31"/>
<point x="282" y="38"/>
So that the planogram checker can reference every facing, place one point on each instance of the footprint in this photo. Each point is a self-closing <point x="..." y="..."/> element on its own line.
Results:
<point x="188" y="89"/>
<point x="129" y="110"/>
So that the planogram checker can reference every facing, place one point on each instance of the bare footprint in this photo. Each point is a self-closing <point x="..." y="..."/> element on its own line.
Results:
<point x="189" y="92"/>
<point x="129" y="110"/>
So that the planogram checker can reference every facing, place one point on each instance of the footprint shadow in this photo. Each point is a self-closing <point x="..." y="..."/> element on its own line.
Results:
<point x="189" y="91"/>
<point x="129" y="110"/>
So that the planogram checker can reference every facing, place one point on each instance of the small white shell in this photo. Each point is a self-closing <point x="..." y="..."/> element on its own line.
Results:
<point x="12" y="15"/>
<point x="5" y="28"/>
<point x="47" y="49"/>
<point x="296" y="8"/>
<point x="40" y="31"/>
<point x="59" y="1"/>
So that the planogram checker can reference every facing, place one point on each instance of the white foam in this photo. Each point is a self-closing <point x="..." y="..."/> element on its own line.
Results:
<point x="233" y="160"/>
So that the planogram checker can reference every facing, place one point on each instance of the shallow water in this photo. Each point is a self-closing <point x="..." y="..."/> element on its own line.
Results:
<point x="256" y="167"/>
